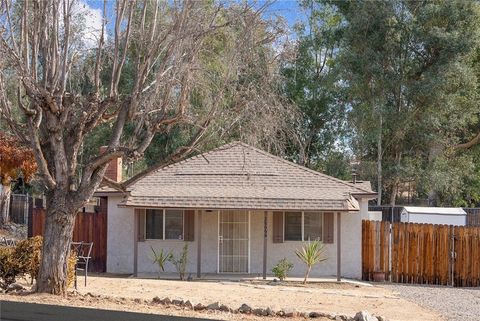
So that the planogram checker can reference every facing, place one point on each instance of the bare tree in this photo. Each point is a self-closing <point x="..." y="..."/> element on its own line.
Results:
<point x="54" y="91"/>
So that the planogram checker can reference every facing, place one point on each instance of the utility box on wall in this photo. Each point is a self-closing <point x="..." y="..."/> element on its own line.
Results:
<point x="434" y="215"/>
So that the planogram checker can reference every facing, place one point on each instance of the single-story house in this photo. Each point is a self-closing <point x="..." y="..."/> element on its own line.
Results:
<point x="241" y="210"/>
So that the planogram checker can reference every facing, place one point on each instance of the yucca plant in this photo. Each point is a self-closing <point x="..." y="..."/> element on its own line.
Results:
<point x="311" y="253"/>
<point x="160" y="259"/>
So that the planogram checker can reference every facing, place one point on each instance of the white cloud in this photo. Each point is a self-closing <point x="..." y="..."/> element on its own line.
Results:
<point x="92" y="19"/>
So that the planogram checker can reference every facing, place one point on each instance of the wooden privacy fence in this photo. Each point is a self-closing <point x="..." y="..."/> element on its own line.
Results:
<point x="89" y="227"/>
<point x="421" y="253"/>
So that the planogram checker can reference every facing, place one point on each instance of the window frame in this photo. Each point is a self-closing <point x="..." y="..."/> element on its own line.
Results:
<point x="163" y="224"/>
<point x="303" y="225"/>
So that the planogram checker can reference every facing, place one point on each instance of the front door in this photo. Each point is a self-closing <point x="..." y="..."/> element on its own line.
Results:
<point x="233" y="241"/>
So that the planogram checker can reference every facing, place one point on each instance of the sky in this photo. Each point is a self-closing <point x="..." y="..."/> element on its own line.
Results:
<point x="289" y="9"/>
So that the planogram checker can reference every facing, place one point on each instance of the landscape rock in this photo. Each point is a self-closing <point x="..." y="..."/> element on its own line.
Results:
<point x="156" y="300"/>
<point x="15" y="287"/>
<point x="270" y="312"/>
<point x="290" y="313"/>
<point x="245" y="308"/>
<point x="187" y="304"/>
<point x="165" y="301"/>
<point x="224" y="308"/>
<point x="281" y="313"/>
<point x="260" y="312"/>
<point x="314" y="315"/>
<point x="177" y="302"/>
<point x="213" y="306"/>
<point x="199" y="307"/>
<point x="364" y="316"/>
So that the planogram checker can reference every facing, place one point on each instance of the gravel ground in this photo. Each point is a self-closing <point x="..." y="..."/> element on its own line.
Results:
<point x="455" y="304"/>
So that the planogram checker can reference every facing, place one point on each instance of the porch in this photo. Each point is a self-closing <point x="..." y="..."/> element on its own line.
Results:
<point x="247" y="243"/>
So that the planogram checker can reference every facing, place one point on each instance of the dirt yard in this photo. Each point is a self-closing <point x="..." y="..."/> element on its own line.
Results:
<point x="136" y="295"/>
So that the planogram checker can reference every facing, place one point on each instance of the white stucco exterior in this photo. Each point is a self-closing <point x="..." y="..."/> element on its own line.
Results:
<point x="120" y="244"/>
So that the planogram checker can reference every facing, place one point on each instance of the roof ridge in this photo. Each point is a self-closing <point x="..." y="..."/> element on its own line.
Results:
<point x="255" y="149"/>
<point x="311" y="171"/>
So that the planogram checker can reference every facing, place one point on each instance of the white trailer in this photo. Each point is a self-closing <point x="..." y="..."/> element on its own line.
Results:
<point x="434" y="215"/>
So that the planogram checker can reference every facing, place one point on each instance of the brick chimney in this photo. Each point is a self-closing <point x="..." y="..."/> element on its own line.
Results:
<point x="114" y="169"/>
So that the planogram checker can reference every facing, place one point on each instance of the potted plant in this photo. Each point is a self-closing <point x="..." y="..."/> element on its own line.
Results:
<point x="378" y="276"/>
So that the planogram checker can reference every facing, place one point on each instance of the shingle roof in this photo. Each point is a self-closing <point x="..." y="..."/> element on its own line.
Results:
<point x="240" y="176"/>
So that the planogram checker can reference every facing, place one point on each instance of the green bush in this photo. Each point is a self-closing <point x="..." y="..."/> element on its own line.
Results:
<point x="180" y="263"/>
<point x="160" y="258"/>
<point x="282" y="269"/>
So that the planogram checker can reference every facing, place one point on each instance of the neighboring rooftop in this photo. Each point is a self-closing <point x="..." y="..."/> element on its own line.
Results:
<point x="435" y="210"/>
<point x="240" y="176"/>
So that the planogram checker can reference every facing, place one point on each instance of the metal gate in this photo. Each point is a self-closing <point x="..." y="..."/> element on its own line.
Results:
<point x="19" y="207"/>
<point x="233" y="241"/>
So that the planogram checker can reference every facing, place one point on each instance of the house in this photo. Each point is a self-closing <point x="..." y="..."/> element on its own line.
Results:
<point x="241" y="210"/>
<point x="434" y="215"/>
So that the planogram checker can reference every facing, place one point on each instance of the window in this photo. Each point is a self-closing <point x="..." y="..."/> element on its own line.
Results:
<point x="312" y="226"/>
<point x="154" y="224"/>
<point x="303" y="226"/>
<point x="293" y="226"/>
<point x="164" y="224"/>
<point x="173" y="224"/>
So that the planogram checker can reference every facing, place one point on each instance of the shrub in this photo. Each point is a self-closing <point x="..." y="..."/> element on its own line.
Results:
<point x="282" y="269"/>
<point x="9" y="267"/>
<point x="160" y="259"/>
<point x="28" y="252"/>
<point x="311" y="253"/>
<point x="25" y="258"/>
<point x="180" y="263"/>
<point x="71" y="262"/>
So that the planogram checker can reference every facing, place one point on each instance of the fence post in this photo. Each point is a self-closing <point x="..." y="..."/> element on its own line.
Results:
<point x="452" y="255"/>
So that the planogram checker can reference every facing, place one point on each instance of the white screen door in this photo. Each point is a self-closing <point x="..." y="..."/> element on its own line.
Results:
<point x="233" y="241"/>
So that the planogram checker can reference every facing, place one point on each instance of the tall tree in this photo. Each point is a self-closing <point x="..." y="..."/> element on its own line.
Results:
<point x="406" y="69"/>
<point x="159" y="51"/>
<point x="311" y="82"/>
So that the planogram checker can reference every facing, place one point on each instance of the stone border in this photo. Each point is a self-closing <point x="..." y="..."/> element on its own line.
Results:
<point x="246" y="309"/>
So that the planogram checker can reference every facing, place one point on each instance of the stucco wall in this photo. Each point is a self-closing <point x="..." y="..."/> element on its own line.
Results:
<point x="120" y="246"/>
<point x="119" y="237"/>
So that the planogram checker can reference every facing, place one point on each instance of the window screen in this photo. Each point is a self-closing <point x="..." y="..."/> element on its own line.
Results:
<point x="154" y="224"/>
<point x="312" y="226"/>
<point x="293" y="226"/>
<point x="174" y="224"/>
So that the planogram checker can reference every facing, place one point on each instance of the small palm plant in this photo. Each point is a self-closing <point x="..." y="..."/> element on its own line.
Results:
<point x="160" y="258"/>
<point x="311" y="253"/>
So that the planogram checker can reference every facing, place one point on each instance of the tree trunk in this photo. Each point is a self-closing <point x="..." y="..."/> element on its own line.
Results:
<point x="59" y="223"/>
<point x="393" y="195"/>
<point x="5" y="192"/>
<point x="379" y="160"/>
<point x="306" y="274"/>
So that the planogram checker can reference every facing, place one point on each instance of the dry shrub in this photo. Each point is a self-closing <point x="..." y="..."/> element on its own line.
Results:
<point x="28" y="253"/>
<point x="9" y="267"/>
<point x="25" y="258"/>
<point x="72" y="261"/>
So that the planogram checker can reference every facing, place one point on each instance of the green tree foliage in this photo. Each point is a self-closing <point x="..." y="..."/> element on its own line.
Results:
<point x="409" y="84"/>
<point x="311" y="82"/>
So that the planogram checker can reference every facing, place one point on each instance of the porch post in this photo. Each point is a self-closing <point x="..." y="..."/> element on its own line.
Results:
<point x="339" y="247"/>
<point x="265" y="245"/>
<point x="136" y="218"/>
<point x="199" y="244"/>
